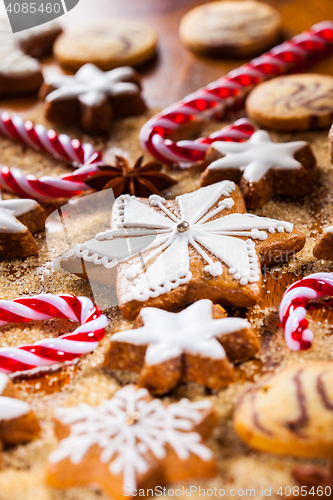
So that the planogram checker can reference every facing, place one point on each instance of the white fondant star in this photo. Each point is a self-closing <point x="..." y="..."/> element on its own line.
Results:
<point x="257" y="156"/>
<point x="92" y="85"/>
<point x="193" y="330"/>
<point x="129" y="446"/>
<point x="10" y="408"/>
<point x="166" y="259"/>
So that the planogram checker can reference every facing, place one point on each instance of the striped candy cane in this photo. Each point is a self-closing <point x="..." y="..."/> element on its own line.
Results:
<point x="47" y="352"/>
<point x="228" y="92"/>
<point x="293" y="308"/>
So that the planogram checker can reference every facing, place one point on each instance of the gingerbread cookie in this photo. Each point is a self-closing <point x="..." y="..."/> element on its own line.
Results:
<point x="201" y="245"/>
<point x="323" y="248"/>
<point x="20" y="72"/>
<point x="195" y="345"/>
<point x="330" y="142"/>
<point x="261" y="167"/>
<point x="18" y="423"/>
<point x="92" y="97"/>
<point x="131" y="443"/>
<point x="290" y="412"/>
<point x="237" y="29"/>
<point x="18" y="220"/>
<point x="139" y="180"/>
<point x="119" y="43"/>
<point x="294" y="102"/>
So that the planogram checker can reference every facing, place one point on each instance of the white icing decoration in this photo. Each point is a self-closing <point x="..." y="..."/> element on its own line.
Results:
<point x="92" y="85"/>
<point x="125" y="447"/>
<point x="13" y="62"/>
<point x="168" y="250"/>
<point x="193" y="330"/>
<point x="9" y="210"/>
<point x="257" y="156"/>
<point x="9" y="407"/>
<point x="328" y="229"/>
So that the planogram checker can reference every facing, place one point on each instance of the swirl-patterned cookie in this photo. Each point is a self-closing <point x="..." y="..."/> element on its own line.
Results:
<point x="290" y="412"/>
<point x="231" y="28"/>
<point x="119" y="43"/>
<point x="294" y="102"/>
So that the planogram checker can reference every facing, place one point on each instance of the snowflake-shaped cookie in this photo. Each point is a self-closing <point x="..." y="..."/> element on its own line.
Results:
<point x="202" y="240"/>
<point x="131" y="441"/>
<point x="253" y="160"/>
<point x="17" y="423"/>
<point x="189" y="346"/>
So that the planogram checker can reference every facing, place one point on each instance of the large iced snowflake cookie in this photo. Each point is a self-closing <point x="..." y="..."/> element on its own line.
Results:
<point x="130" y="443"/>
<point x="261" y="167"/>
<point x="194" y="345"/>
<point x="18" y="423"/>
<point x="19" y="219"/>
<point x="171" y="253"/>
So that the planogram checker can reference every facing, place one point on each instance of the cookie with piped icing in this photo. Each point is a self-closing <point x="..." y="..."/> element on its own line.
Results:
<point x="20" y="70"/>
<point x="293" y="102"/>
<point x="290" y="413"/>
<point x="92" y="97"/>
<point x="229" y="28"/>
<point x="118" y="43"/>
<point x="261" y="167"/>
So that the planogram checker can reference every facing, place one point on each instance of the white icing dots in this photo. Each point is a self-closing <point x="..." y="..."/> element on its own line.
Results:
<point x="257" y="156"/>
<point x="123" y="426"/>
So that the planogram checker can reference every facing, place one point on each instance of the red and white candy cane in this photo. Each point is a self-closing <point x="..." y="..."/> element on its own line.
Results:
<point x="293" y="308"/>
<point x="58" y="145"/>
<point x="228" y="92"/>
<point x="56" y="350"/>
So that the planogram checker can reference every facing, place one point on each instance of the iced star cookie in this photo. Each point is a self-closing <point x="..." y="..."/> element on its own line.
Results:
<point x="18" y="423"/>
<point x="19" y="219"/>
<point x="230" y="28"/>
<point x="92" y="97"/>
<point x="291" y="412"/>
<point x="294" y="102"/>
<point x="171" y="253"/>
<point x="323" y="248"/>
<point x="119" y="43"/>
<point x="20" y="72"/>
<point x="131" y="443"/>
<point x="261" y="167"/>
<point x="194" y="345"/>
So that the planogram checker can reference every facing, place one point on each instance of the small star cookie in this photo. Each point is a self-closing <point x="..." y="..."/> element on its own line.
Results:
<point x="261" y="167"/>
<point x="93" y="97"/>
<point x="132" y="443"/>
<point x="194" y="345"/>
<point x="18" y="424"/>
<point x="18" y="220"/>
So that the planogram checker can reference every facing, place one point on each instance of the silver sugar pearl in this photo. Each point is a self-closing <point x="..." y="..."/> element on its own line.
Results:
<point x="183" y="226"/>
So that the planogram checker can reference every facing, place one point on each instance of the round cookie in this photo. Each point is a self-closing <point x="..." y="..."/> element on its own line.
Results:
<point x="231" y="28"/>
<point x="294" y="102"/>
<point x="120" y="43"/>
<point x="290" y="413"/>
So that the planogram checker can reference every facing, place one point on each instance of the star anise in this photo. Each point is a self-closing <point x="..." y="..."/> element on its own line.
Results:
<point x="139" y="180"/>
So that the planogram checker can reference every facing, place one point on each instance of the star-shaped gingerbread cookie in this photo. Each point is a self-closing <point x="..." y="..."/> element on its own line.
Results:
<point x="92" y="97"/>
<point x="18" y="423"/>
<point x="194" y="345"/>
<point x="132" y="443"/>
<point x="261" y="167"/>
<point x="171" y="253"/>
<point x="19" y="219"/>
